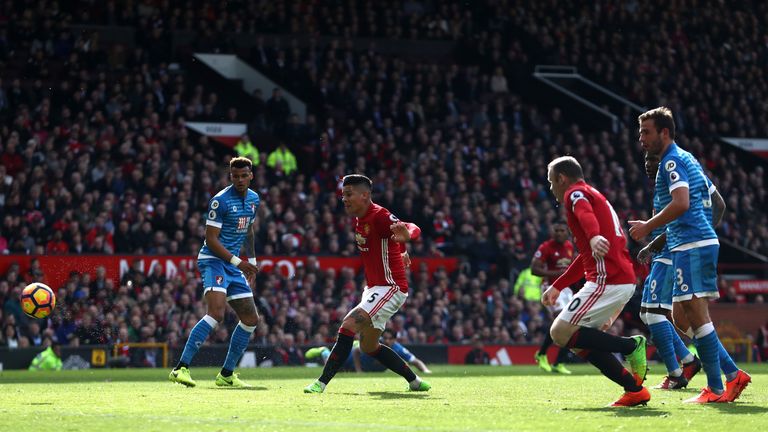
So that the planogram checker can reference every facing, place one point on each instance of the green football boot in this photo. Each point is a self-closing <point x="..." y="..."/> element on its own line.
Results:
<point x="182" y="376"/>
<point x="314" y="352"/>
<point x="315" y="387"/>
<point x="543" y="362"/>
<point x="422" y="387"/>
<point x="233" y="381"/>
<point x="561" y="369"/>
<point x="638" y="360"/>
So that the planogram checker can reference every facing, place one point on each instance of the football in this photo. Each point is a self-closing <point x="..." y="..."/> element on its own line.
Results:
<point x="37" y="300"/>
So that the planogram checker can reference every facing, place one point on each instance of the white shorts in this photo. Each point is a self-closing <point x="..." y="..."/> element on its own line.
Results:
<point x="597" y="306"/>
<point x="566" y="295"/>
<point x="381" y="302"/>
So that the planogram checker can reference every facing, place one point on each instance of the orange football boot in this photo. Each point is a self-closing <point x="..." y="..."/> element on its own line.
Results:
<point x="707" y="396"/>
<point x="734" y="387"/>
<point x="629" y="399"/>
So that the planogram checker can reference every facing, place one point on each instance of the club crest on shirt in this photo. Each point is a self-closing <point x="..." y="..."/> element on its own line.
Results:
<point x="360" y="239"/>
<point x="366" y="229"/>
<point x="670" y="165"/>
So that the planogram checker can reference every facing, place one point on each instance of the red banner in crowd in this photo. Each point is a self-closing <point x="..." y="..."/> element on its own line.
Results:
<point x="751" y="286"/>
<point x="57" y="268"/>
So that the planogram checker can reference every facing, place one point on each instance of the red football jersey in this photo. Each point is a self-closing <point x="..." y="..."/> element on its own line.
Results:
<point x="590" y="214"/>
<point x="382" y="259"/>
<point x="556" y="256"/>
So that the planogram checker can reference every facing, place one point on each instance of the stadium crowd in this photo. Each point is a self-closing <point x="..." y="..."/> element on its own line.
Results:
<point x="96" y="159"/>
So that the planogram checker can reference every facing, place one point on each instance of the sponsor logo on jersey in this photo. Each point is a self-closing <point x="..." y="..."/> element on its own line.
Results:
<point x="576" y="195"/>
<point x="215" y="204"/>
<point x="674" y="176"/>
<point x="393" y="218"/>
<point x="212" y="214"/>
<point x="242" y="223"/>
<point x="670" y="165"/>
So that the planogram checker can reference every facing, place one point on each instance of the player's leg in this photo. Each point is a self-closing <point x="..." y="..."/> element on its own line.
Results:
<point x="695" y="282"/>
<point x="541" y="355"/>
<point x="379" y="309"/>
<point x="657" y="302"/>
<point x="243" y="305"/>
<point x="370" y="345"/>
<point x="577" y="325"/>
<point x="340" y="351"/>
<point x="215" y="299"/>
<point x="574" y="328"/>
<point x="559" y="365"/>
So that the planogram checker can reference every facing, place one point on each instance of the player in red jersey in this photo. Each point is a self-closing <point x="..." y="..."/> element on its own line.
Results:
<point x="604" y="262"/>
<point x="381" y="239"/>
<point x="549" y="262"/>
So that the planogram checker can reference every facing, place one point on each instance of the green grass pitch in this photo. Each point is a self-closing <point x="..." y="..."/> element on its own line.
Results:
<point x="519" y="398"/>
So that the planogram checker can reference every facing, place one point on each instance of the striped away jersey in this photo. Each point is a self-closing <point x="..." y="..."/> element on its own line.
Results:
<point x="234" y="214"/>
<point x="678" y="168"/>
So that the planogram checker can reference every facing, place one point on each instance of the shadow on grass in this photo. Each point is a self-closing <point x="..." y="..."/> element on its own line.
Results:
<point x="738" y="408"/>
<point x="254" y="388"/>
<point x="399" y="395"/>
<point x="639" y="411"/>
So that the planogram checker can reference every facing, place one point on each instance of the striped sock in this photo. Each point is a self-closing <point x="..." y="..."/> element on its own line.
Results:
<point x="237" y="345"/>
<point x="197" y="336"/>
<point x="726" y="362"/>
<point x="661" y="333"/>
<point x="707" y="344"/>
<point x="681" y="351"/>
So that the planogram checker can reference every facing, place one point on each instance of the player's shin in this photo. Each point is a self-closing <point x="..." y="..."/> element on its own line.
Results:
<point x="589" y="338"/>
<point x="338" y="355"/>
<point x="612" y="368"/>
<point x="393" y="362"/>
<point x="662" y="334"/>
<point x="197" y="336"/>
<point x="707" y="344"/>
<point x="237" y="345"/>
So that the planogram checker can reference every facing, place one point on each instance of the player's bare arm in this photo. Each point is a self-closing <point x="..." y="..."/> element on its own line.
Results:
<point x="654" y="247"/>
<point x="249" y="245"/>
<point x="550" y="296"/>
<point x="718" y="208"/>
<point x="676" y="208"/>
<point x="403" y="232"/>
<point x="212" y="240"/>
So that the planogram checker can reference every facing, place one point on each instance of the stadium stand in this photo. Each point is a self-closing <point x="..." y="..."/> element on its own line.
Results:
<point x="95" y="158"/>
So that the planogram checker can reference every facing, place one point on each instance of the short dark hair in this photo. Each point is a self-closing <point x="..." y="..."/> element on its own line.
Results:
<point x="240" y="162"/>
<point x="387" y="332"/>
<point x="566" y="165"/>
<point x="357" y="179"/>
<point x="560" y="222"/>
<point x="662" y="119"/>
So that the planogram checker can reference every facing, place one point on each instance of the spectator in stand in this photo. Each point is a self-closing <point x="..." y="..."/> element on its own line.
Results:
<point x="477" y="356"/>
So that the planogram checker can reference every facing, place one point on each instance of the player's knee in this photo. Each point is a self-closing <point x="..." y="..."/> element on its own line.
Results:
<point x="251" y="320"/>
<point x="369" y="348"/>
<point x="644" y="317"/>
<point x="217" y="315"/>
<point x="560" y="335"/>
